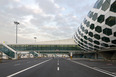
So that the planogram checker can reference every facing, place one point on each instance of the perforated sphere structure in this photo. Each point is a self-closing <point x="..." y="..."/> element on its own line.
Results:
<point x="98" y="30"/>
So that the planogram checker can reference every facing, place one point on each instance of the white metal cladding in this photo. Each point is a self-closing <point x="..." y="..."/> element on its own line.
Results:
<point x="98" y="30"/>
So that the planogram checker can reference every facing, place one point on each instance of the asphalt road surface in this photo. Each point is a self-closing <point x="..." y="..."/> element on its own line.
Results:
<point x="49" y="67"/>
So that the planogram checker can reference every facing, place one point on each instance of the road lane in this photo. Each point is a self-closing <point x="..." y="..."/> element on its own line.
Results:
<point x="9" y="68"/>
<point x="21" y="71"/>
<point x="96" y="69"/>
<point x="105" y="65"/>
<point x="73" y="70"/>
<point x="65" y="68"/>
<point x="48" y="69"/>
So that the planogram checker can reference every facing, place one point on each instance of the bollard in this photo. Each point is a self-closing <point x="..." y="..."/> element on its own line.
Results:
<point x="71" y="57"/>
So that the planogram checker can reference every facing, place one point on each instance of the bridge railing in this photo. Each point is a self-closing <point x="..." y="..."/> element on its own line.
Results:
<point x="11" y="53"/>
<point x="44" y="47"/>
<point x="35" y="54"/>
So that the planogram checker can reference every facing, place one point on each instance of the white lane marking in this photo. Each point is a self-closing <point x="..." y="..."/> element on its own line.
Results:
<point x="17" y="64"/>
<point x="28" y="68"/>
<point x="96" y="69"/>
<point x="58" y="68"/>
<point x="58" y="62"/>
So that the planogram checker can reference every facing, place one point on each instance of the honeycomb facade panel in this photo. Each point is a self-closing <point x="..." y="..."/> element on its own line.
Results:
<point x="113" y="7"/>
<point x="105" y="39"/>
<point x="88" y="24"/>
<point x="106" y="5"/>
<point x="98" y="30"/>
<point x="90" y="34"/>
<point x="97" y="42"/>
<point x="85" y="37"/>
<point x="96" y="46"/>
<point x="114" y="41"/>
<point x="107" y="31"/>
<point x="90" y="39"/>
<point x="101" y="18"/>
<point x="114" y="34"/>
<point x="98" y="4"/>
<point x="111" y="21"/>
<point x="104" y="45"/>
<point x="86" y="31"/>
<point x="92" y="26"/>
<point x="97" y="36"/>
<point x="94" y="16"/>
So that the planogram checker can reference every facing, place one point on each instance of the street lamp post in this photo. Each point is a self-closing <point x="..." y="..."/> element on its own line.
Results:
<point x="17" y="23"/>
<point x="35" y="39"/>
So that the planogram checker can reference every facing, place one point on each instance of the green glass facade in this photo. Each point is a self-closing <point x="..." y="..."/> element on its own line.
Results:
<point x="44" y="47"/>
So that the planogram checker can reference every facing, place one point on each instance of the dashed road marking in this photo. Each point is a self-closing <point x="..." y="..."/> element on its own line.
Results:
<point x="58" y="62"/>
<point x="58" y="68"/>
<point x="58" y="65"/>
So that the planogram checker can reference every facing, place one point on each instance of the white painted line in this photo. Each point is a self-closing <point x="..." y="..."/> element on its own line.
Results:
<point x="96" y="69"/>
<point x="28" y="68"/>
<point x="57" y="63"/>
<point x="17" y="64"/>
<point x="58" y="68"/>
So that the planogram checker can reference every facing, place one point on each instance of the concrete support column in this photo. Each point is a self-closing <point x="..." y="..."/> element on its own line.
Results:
<point x="1" y="57"/>
<point x="28" y="55"/>
<point x="38" y="54"/>
<point x="96" y="56"/>
<point x="114" y="56"/>
<point x="71" y="54"/>
<point x="84" y="56"/>
<point x="16" y="56"/>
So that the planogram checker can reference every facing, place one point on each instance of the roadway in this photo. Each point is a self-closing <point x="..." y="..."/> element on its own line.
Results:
<point x="49" y="67"/>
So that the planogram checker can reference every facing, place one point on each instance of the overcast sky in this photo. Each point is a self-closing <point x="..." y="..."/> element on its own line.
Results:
<point x="45" y="19"/>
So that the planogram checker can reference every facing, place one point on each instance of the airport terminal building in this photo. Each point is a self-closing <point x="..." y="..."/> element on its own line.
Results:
<point x="97" y="32"/>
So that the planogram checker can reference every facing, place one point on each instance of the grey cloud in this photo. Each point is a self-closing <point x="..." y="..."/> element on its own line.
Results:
<point x="21" y="11"/>
<point x="77" y="7"/>
<point x="40" y="20"/>
<point x="63" y="28"/>
<point x="48" y="6"/>
<point x="52" y="23"/>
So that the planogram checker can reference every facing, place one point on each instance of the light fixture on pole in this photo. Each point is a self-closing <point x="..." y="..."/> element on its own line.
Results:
<point x="35" y="39"/>
<point x="17" y="23"/>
